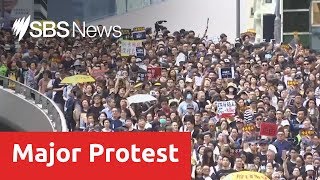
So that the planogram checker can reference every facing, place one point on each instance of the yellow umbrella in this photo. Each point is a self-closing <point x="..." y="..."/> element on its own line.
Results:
<point x="246" y="175"/>
<point x="77" y="79"/>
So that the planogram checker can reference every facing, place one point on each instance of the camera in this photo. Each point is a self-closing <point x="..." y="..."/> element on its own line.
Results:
<point x="158" y="25"/>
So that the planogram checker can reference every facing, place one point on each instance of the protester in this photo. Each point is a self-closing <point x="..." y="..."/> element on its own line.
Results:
<point x="249" y="106"/>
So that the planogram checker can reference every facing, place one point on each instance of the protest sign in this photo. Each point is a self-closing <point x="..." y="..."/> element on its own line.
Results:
<point x="226" y="109"/>
<point x="293" y="83"/>
<point x="139" y="33"/>
<point x="128" y="47"/>
<point x="268" y="129"/>
<point x="307" y="133"/>
<point x="125" y="32"/>
<point x="142" y="75"/>
<point x="249" y="128"/>
<point x="154" y="72"/>
<point x="140" y="52"/>
<point x="226" y="73"/>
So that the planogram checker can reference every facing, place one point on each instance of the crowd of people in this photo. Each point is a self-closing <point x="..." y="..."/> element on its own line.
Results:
<point x="271" y="83"/>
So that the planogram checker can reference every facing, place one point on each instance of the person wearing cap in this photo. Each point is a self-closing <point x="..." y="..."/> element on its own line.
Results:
<point x="310" y="172"/>
<point x="183" y="106"/>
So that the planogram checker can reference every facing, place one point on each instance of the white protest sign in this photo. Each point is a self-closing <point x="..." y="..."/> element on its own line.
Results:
<point x="128" y="47"/>
<point x="226" y="109"/>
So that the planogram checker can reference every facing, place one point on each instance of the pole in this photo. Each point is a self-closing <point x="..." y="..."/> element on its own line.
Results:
<point x="277" y="23"/>
<point x="2" y="8"/>
<point x="238" y="17"/>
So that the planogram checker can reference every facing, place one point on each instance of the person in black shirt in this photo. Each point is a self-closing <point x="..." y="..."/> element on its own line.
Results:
<point x="96" y="107"/>
<point x="58" y="88"/>
<point x="68" y="61"/>
<point x="23" y="71"/>
<point x="225" y="170"/>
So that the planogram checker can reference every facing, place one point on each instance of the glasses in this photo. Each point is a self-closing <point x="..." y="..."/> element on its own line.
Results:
<point x="264" y="64"/>
<point x="305" y="64"/>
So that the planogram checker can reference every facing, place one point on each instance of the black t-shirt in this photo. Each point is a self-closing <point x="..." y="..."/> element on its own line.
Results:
<point x="67" y="64"/>
<point x="291" y="166"/>
<point x="95" y="111"/>
<point x="58" y="97"/>
<point x="221" y="173"/>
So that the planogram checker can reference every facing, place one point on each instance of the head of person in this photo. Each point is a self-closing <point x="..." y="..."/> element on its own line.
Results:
<point x="97" y="99"/>
<point x="225" y="162"/>
<point x="91" y="119"/>
<point x="106" y="123"/>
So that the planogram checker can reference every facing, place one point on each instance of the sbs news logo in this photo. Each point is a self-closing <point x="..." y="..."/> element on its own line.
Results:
<point x="21" y="25"/>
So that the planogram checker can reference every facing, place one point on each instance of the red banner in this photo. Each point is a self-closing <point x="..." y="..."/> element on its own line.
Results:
<point x="95" y="155"/>
<point x="268" y="129"/>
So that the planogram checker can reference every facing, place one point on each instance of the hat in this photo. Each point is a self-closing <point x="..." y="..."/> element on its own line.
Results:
<point x="263" y="141"/>
<point x="77" y="63"/>
<point x="190" y="106"/>
<point x="223" y="35"/>
<point x="188" y="80"/>
<point x="138" y="85"/>
<point x="243" y="92"/>
<point x="226" y="60"/>
<point x="138" y="60"/>
<point x="231" y="84"/>
<point x="285" y="123"/>
<point x="309" y="168"/>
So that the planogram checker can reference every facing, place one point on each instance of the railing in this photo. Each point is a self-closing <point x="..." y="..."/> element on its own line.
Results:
<point x="57" y="119"/>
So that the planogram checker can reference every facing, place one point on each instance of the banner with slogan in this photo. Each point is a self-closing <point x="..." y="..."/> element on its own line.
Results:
<point x="154" y="72"/>
<point x="249" y="128"/>
<point x="226" y="73"/>
<point x="293" y="83"/>
<point x="125" y="32"/>
<point x="140" y="52"/>
<point x="307" y="132"/>
<point x="128" y="47"/>
<point x="226" y="109"/>
<point x="268" y="129"/>
<point x="139" y="33"/>
<point x="84" y="156"/>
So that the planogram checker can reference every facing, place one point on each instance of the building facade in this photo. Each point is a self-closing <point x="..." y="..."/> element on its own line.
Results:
<point x="300" y="17"/>
<point x="84" y="10"/>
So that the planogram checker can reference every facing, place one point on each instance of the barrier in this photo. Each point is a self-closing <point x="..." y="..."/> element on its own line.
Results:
<point x="52" y="112"/>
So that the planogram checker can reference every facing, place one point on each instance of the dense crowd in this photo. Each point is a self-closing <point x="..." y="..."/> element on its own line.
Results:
<point x="271" y="83"/>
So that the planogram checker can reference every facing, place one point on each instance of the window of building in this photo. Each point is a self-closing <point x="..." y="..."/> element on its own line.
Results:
<point x="268" y="1"/>
<point x="315" y="16"/>
<point x="298" y="4"/>
<point x="296" y="21"/>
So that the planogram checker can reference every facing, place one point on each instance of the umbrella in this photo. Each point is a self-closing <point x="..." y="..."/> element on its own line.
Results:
<point x="140" y="98"/>
<point x="77" y="79"/>
<point x="246" y="175"/>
